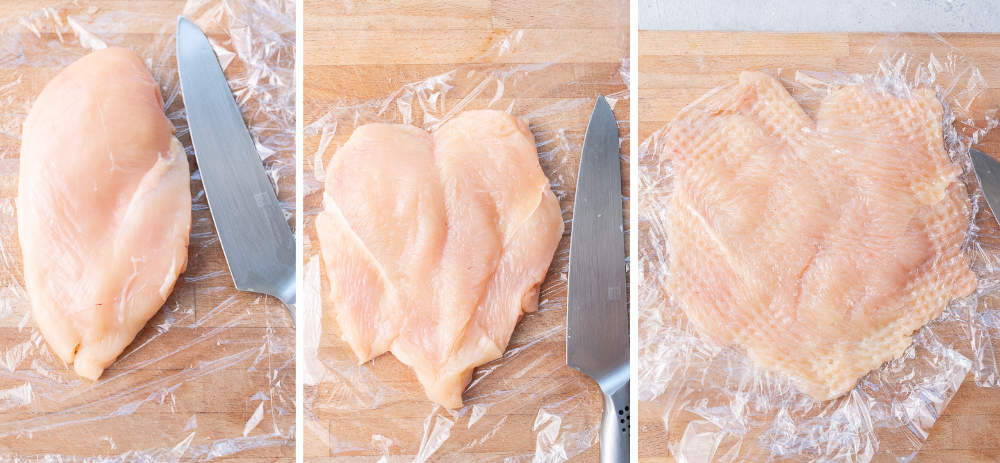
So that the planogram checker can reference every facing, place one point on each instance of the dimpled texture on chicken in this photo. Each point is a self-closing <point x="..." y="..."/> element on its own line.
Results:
<point x="435" y="245"/>
<point x="818" y="246"/>
<point x="104" y="207"/>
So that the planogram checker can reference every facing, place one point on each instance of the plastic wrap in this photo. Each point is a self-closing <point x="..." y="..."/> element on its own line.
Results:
<point x="212" y="374"/>
<point x="718" y="407"/>
<point x="527" y="405"/>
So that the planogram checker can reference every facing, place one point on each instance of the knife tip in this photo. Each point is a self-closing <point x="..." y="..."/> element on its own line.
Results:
<point x="602" y="105"/>
<point x="183" y="22"/>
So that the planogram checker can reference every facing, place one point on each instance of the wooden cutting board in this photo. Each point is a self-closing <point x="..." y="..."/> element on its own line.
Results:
<point x="356" y="52"/>
<point x="677" y="67"/>
<point x="199" y="369"/>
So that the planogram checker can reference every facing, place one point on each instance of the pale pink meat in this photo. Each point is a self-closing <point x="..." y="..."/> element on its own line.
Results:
<point x="104" y="207"/>
<point x="820" y="246"/>
<point x="435" y="245"/>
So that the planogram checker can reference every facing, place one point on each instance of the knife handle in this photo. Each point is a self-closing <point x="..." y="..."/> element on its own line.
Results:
<point x="615" y="426"/>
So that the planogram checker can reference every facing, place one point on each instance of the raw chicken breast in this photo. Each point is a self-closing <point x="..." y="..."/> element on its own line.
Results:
<point x="435" y="245"/>
<point x="104" y="207"/>
<point x="817" y="246"/>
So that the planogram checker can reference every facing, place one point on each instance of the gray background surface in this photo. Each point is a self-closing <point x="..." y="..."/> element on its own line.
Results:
<point x="822" y="15"/>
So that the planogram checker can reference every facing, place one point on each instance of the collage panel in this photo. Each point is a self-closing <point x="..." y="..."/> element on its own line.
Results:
<point x="816" y="243"/>
<point x="442" y="143"/>
<point x="122" y="335"/>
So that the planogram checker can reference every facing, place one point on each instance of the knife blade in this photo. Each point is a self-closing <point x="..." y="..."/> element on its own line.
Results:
<point x="258" y="244"/>
<point x="988" y="172"/>
<point x="597" y="342"/>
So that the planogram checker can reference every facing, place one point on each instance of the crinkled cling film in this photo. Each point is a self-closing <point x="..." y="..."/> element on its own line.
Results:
<point x="718" y="407"/>
<point x="527" y="405"/>
<point x="213" y="372"/>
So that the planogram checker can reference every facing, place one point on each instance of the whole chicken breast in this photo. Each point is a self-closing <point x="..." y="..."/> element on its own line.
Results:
<point x="104" y="207"/>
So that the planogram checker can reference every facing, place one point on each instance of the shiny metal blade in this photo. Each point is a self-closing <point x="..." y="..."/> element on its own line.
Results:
<point x="597" y="316"/>
<point x="988" y="172"/>
<point x="257" y="241"/>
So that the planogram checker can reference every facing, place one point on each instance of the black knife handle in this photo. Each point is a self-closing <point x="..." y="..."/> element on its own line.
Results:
<point x="615" y="426"/>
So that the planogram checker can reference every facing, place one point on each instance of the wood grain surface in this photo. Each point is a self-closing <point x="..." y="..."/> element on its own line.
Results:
<point x="677" y="67"/>
<point x="213" y="372"/>
<point x="553" y="58"/>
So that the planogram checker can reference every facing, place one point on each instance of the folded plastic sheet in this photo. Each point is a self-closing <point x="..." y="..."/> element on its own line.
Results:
<point x="212" y="375"/>
<point x="527" y="405"/>
<point x="717" y="406"/>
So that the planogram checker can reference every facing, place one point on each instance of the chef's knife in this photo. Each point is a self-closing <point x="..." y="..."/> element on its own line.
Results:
<point x="597" y="340"/>
<point x="988" y="172"/>
<point x="257" y="241"/>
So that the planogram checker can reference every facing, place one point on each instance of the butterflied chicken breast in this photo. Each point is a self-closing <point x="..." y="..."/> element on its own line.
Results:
<point x="436" y="244"/>
<point x="819" y="246"/>
<point x="104" y="207"/>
